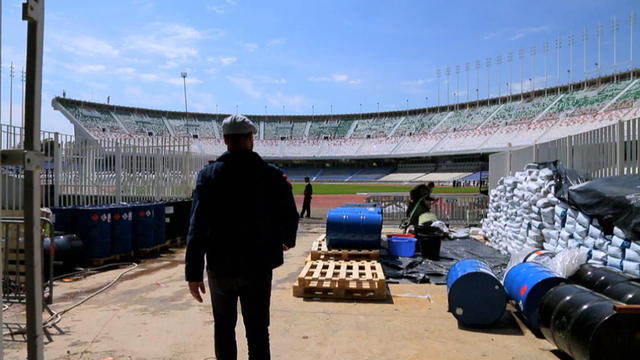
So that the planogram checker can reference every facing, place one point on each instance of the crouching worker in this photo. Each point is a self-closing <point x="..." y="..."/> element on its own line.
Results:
<point x="419" y="203"/>
<point x="243" y="217"/>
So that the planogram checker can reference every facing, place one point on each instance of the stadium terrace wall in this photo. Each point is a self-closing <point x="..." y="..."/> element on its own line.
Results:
<point x="476" y="127"/>
<point x="607" y="151"/>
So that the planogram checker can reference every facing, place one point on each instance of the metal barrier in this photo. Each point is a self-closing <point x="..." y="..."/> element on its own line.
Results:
<point x="457" y="209"/>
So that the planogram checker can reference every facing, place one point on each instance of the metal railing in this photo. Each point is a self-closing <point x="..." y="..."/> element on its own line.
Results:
<point x="463" y="209"/>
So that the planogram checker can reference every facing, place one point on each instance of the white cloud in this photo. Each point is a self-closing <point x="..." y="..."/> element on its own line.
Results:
<point x="86" y="68"/>
<point x="246" y="85"/>
<point x="179" y="81"/>
<point x="84" y="45"/>
<point x="223" y="60"/>
<point x="270" y="80"/>
<point x="221" y="8"/>
<point x="294" y="102"/>
<point x="173" y="41"/>
<point x="277" y="41"/>
<point x="250" y="47"/>
<point x="414" y="83"/>
<point x="169" y="65"/>
<point x="126" y="71"/>
<point x="149" y="77"/>
<point x="337" y="78"/>
<point x="520" y="33"/>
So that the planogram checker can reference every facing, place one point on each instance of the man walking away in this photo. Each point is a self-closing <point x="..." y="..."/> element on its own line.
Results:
<point x="243" y="217"/>
<point x="306" y="204"/>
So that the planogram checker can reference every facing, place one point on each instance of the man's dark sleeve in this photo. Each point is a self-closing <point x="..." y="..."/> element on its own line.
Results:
<point x="288" y="214"/>
<point x="198" y="231"/>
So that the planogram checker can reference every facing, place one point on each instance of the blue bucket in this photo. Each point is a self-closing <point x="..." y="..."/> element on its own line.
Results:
<point x="526" y="284"/>
<point x="476" y="296"/>
<point x="402" y="246"/>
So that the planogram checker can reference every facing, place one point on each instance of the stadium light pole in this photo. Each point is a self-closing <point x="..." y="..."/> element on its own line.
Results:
<point x="571" y="42"/>
<point x="558" y="47"/>
<point x="521" y="57"/>
<point x="599" y="36"/>
<point x="447" y="72"/>
<point x="545" y="50"/>
<point x="614" y="29"/>
<point x="466" y="69"/>
<point x="438" y="74"/>
<point x="186" y="110"/>
<point x="378" y="106"/>
<point x="533" y="67"/>
<point x="632" y="23"/>
<point x="457" y="85"/>
<point x="488" y="64"/>
<point x="407" y="107"/>
<point x="477" y="82"/>
<point x="585" y="37"/>
<point x="11" y="74"/>
<point x="510" y="61"/>
<point x="498" y="63"/>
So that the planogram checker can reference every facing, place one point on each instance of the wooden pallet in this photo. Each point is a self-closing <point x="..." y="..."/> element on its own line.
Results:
<point x="105" y="260"/>
<point x="320" y="251"/>
<point x="363" y="280"/>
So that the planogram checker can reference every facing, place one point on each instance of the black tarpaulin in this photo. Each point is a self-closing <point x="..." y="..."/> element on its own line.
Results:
<point x="421" y="270"/>
<point x="614" y="199"/>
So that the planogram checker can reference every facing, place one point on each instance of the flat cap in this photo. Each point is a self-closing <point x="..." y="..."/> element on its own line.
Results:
<point x="238" y="124"/>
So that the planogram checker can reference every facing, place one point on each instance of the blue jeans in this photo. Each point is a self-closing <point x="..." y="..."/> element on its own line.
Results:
<point x="254" y="292"/>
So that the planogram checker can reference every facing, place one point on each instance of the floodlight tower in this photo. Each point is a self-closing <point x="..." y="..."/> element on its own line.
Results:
<point x="632" y="23"/>
<point x="457" y="84"/>
<point x="533" y="67"/>
<point x="447" y="72"/>
<point x="510" y="61"/>
<point x="521" y="57"/>
<point x="545" y="49"/>
<point x="571" y="43"/>
<point x="186" y="110"/>
<point x="599" y="36"/>
<point x="466" y="69"/>
<point x="615" y="26"/>
<point x="438" y="74"/>
<point x="498" y="63"/>
<point x="477" y="82"/>
<point x="558" y="47"/>
<point x="585" y="37"/>
<point x="11" y="74"/>
<point x="487" y="63"/>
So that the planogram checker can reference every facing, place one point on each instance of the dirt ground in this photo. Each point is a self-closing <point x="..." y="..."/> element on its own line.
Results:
<point x="150" y="315"/>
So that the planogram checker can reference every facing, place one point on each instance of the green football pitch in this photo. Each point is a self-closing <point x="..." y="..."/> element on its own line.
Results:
<point x="340" y="189"/>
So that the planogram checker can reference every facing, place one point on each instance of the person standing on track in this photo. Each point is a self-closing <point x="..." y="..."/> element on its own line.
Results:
<point x="306" y="203"/>
<point x="419" y="201"/>
<point x="242" y="219"/>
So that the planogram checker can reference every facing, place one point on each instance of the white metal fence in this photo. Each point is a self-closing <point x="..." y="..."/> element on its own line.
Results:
<point x="607" y="151"/>
<point x="85" y="172"/>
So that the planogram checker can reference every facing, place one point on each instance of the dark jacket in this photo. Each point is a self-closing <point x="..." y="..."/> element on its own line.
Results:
<point x="308" y="191"/>
<point x="243" y="212"/>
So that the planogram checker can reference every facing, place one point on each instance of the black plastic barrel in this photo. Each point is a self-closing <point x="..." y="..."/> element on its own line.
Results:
<point x="159" y="231"/>
<point x="64" y="219"/>
<point x="69" y="252"/>
<point x="627" y="292"/>
<point x="475" y="295"/>
<point x="121" y="229"/>
<point x="143" y="224"/>
<point x="598" y="278"/>
<point x="94" y="229"/>
<point x="583" y="324"/>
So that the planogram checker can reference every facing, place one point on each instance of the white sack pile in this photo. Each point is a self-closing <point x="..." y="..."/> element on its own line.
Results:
<point x="524" y="213"/>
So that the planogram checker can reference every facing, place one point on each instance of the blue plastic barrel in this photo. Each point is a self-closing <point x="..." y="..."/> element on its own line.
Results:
<point x="159" y="230"/>
<point x="476" y="296"/>
<point x="143" y="227"/>
<point x="64" y="219"/>
<point x="366" y="206"/>
<point x="353" y="228"/>
<point x="402" y="246"/>
<point x="526" y="284"/>
<point x="93" y="227"/>
<point x="121" y="229"/>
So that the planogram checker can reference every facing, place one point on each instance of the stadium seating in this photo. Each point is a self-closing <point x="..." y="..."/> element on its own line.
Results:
<point x="524" y="120"/>
<point x="441" y="178"/>
<point x="401" y="177"/>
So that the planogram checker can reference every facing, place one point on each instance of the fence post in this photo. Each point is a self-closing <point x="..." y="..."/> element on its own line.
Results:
<point x="569" y="162"/>
<point x="118" y="168"/>
<point x="57" y="164"/>
<point x="509" y="162"/>
<point x="535" y="152"/>
<point x="620" y="148"/>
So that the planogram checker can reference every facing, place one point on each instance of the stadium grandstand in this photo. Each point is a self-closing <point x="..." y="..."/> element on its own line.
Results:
<point x="383" y="146"/>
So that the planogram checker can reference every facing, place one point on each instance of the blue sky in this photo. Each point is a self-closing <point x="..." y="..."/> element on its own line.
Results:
<point x="327" y="54"/>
